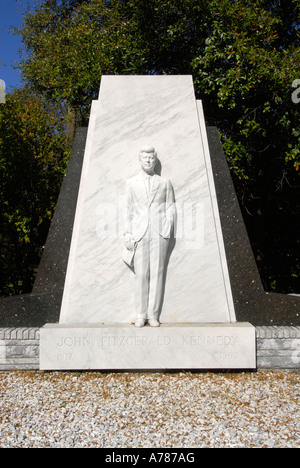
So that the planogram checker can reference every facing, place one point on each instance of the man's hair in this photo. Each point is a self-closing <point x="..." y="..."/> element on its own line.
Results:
<point x="147" y="149"/>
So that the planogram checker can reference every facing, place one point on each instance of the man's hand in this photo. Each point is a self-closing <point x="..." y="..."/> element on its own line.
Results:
<point x="129" y="242"/>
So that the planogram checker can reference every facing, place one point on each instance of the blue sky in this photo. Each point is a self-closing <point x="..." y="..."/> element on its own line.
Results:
<point x="10" y="15"/>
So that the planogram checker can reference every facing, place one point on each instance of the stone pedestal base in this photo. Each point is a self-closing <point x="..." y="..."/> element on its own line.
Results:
<point x="170" y="347"/>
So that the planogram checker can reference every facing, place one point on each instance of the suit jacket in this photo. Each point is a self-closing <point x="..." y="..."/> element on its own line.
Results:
<point x="154" y="210"/>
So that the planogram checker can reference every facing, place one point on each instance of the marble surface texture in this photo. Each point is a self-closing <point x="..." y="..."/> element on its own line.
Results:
<point x="2" y="92"/>
<point x="99" y="288"/>
<point x="124" y="347"/>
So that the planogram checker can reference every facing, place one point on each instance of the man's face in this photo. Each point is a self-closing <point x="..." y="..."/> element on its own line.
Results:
<point x="148" y="162"/>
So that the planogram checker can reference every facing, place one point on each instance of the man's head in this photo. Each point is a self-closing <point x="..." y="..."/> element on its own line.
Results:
<point x="148" y="159"/>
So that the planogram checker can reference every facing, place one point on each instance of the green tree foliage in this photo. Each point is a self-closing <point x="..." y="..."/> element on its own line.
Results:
<point x="244" y="57"/>
<point x="246" y="71"/>
<point x="32" y="162"/>
<point x="249" y="63"/>
<point x="72" y="43"/>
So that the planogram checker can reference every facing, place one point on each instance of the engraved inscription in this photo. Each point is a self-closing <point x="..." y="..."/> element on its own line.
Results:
<point x="74" y="341"/>
<point x="194" y="340"/>
<point x="64" y="357"/>
<point x="228" y="356"/>
<point x="133" y="341"/>
<point x="143" y="341"/>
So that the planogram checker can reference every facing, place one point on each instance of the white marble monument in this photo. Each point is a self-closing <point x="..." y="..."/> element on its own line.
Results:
<point x="2" y="92"/>
<point x="104" y="297"/>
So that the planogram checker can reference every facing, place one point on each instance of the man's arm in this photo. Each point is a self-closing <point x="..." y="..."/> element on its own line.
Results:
<point x="170" y="205"/>
<point x="128" y="237"/>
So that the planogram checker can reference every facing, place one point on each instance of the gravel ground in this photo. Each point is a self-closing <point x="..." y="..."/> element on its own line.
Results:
<point x="74" y="410"/>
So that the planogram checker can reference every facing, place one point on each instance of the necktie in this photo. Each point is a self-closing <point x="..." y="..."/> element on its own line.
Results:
<point x="149" y="185"/>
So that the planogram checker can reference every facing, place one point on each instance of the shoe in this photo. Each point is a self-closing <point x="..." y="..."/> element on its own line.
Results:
<point x="154" y="323"/>
<point x="140" y="323"/>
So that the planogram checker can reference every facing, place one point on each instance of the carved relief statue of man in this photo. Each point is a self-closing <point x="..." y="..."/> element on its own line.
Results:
<point x="150" y="215"/>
